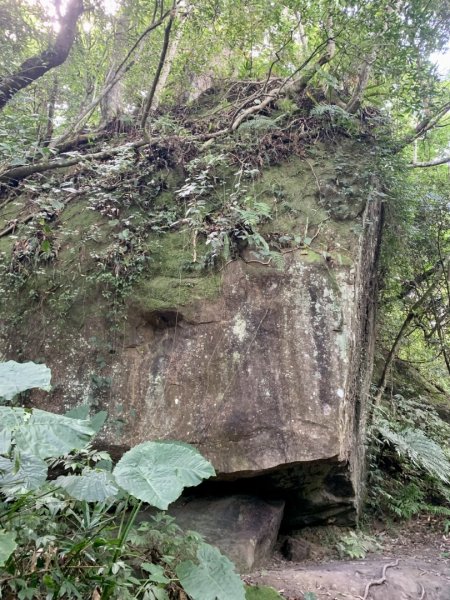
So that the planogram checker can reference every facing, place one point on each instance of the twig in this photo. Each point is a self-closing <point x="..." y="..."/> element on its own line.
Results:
<point x="379" y="581"/>
<point x="318" y="230"/>
<point x="315" y="177"/>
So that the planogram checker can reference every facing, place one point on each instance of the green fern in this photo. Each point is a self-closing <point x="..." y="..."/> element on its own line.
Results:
<point x="260" y="123"/>
<point x="420" y="450"/>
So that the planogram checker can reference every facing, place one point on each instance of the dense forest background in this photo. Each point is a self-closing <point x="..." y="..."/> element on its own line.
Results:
<point x="86" y="82"/>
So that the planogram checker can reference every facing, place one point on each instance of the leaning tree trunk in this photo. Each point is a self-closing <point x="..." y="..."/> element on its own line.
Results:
<point x="36" y="66"/>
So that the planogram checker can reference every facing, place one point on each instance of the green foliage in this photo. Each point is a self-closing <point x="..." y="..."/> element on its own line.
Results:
<point x="212" y="578"/>
<point x="7" y="545"/>
<point x="409" y="460"/>
<point x="420" y="450"/>
<point x="70" y="535"/>
<point x="356" y="544"/>
<point x="332" y="116"/>
<point x="157" y="472"/>
<point x="18" y="377"/>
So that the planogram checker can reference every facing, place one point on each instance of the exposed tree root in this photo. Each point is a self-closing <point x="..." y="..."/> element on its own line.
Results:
<point x="379" y="581"/>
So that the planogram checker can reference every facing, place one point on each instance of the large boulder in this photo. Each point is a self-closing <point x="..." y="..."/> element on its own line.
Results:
<point x="243" y="527"/>
<point x="263" y="364"/>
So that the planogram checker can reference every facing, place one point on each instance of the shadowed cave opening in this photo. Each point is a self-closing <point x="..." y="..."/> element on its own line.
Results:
<point x="315" y="493"/>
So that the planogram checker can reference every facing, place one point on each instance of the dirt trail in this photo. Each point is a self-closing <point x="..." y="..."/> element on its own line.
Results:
<point x="413" y="563"/>
<point x="399" y="579"/>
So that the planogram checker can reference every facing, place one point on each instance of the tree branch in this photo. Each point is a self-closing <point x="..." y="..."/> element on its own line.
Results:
<point x="33" y="68"/>
<point x="425" y="125"/>
<point x="432" y="163"/>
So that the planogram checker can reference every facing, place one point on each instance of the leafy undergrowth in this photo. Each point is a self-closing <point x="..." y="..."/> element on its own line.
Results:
<point x="69" y="524"/>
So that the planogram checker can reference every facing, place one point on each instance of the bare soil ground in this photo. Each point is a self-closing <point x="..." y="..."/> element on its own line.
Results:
<point x="412" y="563"/>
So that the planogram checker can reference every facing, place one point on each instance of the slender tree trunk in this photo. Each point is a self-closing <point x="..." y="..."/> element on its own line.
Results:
<point x="400" y="336"/>
<point x="301" y="32"/>
<point x="162" y="59"/>
<point x="170" y="58"/>
<point x="51" y="113"/>
<point x="112" y="103"/>
<point x="122" y="69"/>
<point x="36" y="66"/>
<point x="363" y="79"/>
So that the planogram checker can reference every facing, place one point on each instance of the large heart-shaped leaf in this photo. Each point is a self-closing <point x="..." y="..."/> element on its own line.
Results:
<point x="7" y="545"/>
<point x="157" y="472"/>
<point x="91" y="486"/>
<point x="27" y="472"/>
<point x="48" y="435"/>
<point x="213" y="578"/>
<point x="18" y="377"/>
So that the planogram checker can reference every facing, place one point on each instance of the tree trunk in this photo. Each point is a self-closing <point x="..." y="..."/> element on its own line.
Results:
<point x="33" y="68"/>
<point x="400" y="336"/>
<point x="50" y="113"/>
<point x="112" y="103"/>
<point x="162" y="59"/>
<point x="171" y="54"/>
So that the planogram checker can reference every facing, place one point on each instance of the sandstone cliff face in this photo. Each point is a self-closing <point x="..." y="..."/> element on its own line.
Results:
<point x="264" y="365"/>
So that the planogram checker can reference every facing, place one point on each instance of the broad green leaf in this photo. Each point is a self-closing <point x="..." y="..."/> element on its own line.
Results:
<point x="48" y="435"/>
<point x="155" y="573"/>
<point x="27" y="472"/>
<point x="7" y="545"/>
<point x="11" y="417"/>
<point x="213" y="578"/>
<point x="98" y="420"/>
<point x="18" y="377"/>
<point x="5" y="441"/>
<point x="90" y="486"/>
<point x="157" y="472"/>
<point x="82" y="412"/>
<point x="79" y="412"/>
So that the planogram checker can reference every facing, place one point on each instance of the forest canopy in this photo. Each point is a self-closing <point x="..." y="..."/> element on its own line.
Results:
<point x="80" y="66"/>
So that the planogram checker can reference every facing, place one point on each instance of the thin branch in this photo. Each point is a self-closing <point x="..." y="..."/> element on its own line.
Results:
<point x="432" y="163"/>
<point x="14" y="175"/>
<point x="290" y="86"/>
<point x="429" y="122"/>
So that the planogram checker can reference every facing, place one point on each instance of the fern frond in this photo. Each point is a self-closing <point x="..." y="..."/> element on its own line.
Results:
<point x="420" y="450"/>
<point x="260" y="123"/>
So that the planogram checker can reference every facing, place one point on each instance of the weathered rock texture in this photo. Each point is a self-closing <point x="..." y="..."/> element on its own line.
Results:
<point x="263" y="365"/>
<point x="245" y="528"/>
